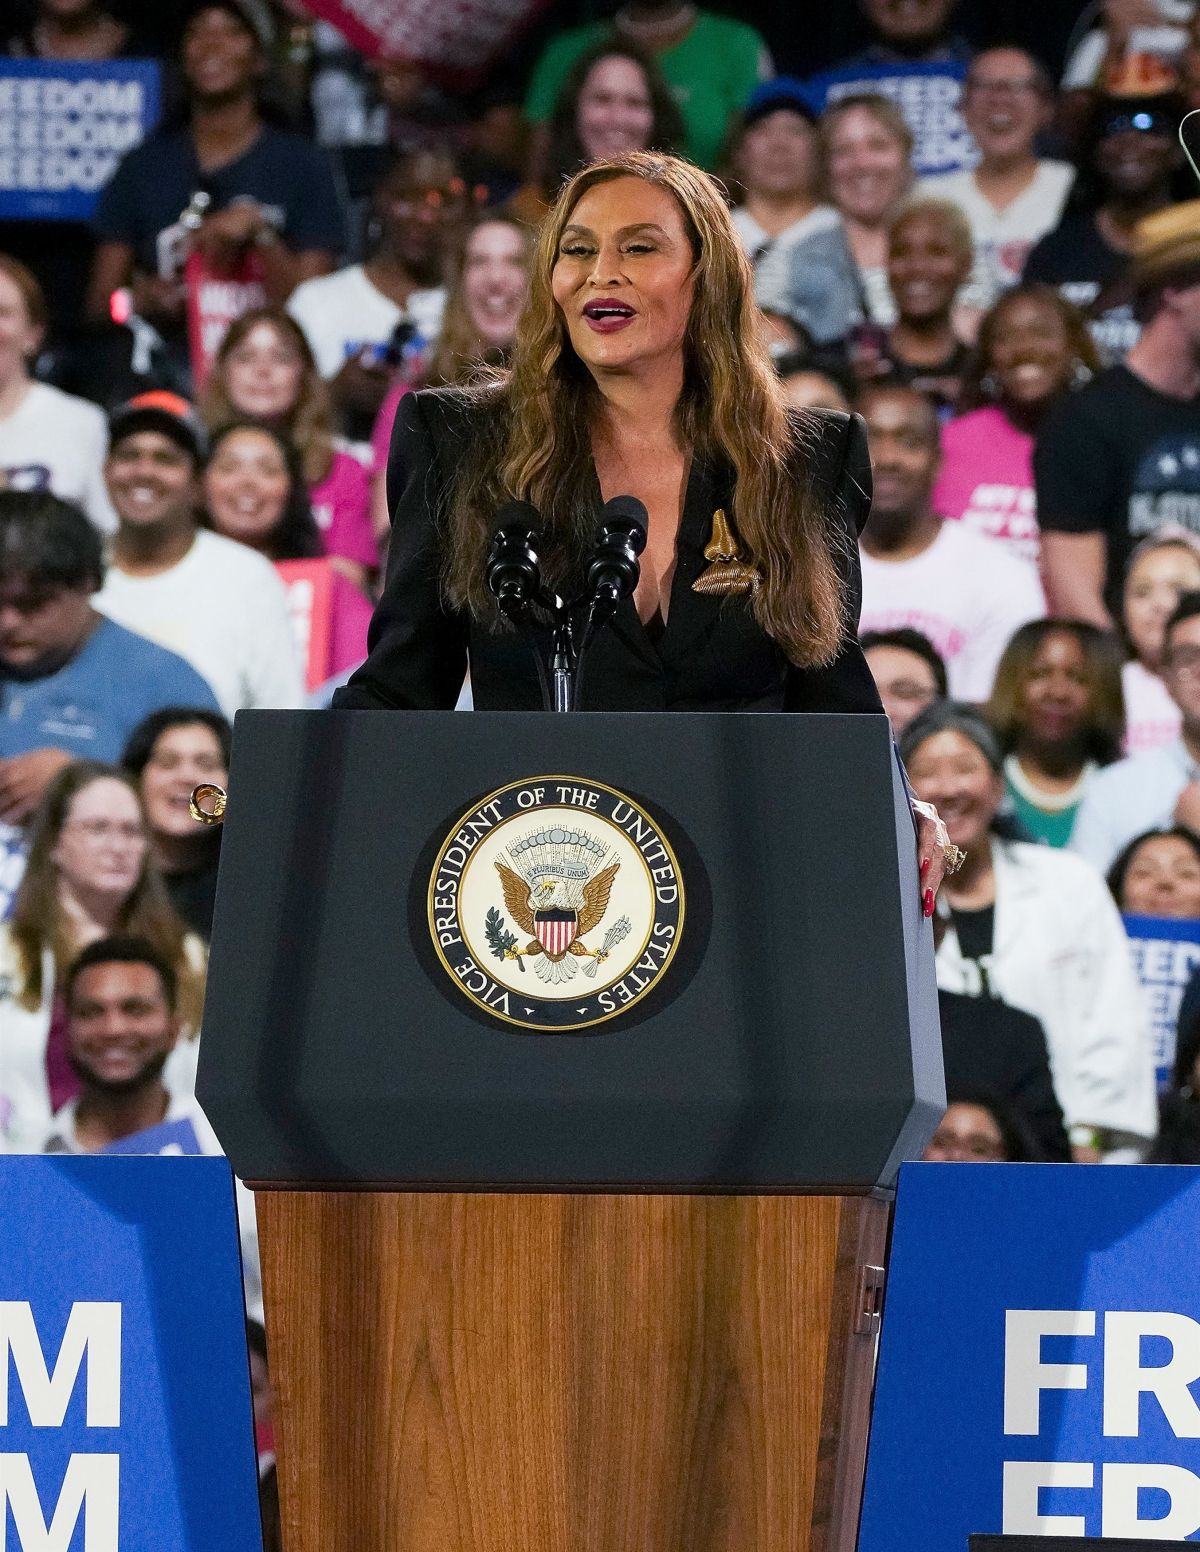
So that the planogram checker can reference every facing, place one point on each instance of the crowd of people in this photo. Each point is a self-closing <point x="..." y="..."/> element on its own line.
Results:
<point x="193" y="515"/>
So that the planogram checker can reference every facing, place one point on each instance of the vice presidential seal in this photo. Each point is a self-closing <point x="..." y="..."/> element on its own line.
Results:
<point x="556" y="903"/>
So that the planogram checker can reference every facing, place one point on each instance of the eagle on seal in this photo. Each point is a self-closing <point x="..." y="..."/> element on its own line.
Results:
<point x="556" y="924"/>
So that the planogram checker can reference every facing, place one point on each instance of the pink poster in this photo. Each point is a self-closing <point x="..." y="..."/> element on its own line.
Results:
<point x="455" y="40"/>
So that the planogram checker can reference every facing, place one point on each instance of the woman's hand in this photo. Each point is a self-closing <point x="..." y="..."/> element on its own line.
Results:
<point x="932" y="844"/>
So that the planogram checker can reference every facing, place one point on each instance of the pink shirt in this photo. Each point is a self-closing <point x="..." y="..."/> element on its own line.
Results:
<point x="381" y="432"/>
<point x="986" y="480"/>
<point x="1152" y="718"/>
<point x="341" y="504"/>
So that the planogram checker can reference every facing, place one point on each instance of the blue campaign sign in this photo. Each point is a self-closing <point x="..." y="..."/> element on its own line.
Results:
<point x="125" y="1417"/>
<point x="1165" y="952"/>
<point x="927" y="95"/>
<point x="64" y="126"/>
<point x="172" y="1138"/>
<point x="1040" y="1357"/>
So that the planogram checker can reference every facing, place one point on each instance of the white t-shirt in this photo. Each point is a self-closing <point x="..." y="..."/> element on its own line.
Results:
<point x="54" y="441"/>
<point x="1152" y="718"/>
<point x="224" y="609"/>
<point x="771" y="270"/>
<point x="1003" y="238"/>
<point x="966" y="593"/>
<point x="343" y="313"/>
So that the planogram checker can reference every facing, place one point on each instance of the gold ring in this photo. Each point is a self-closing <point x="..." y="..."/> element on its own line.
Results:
<point x="208" y="793"/>
<point x="953" y="857"/>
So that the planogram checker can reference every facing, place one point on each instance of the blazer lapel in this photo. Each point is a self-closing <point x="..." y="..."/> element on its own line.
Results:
<point x="692" y="613"/>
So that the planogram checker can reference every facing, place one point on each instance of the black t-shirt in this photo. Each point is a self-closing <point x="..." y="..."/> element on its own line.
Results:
<point x="1121" y="459"/>
<point x="975" y="930"/>
<point x="194" y="893"/>
<point x="1075" y="259"/>
<point x="288" y="175"/>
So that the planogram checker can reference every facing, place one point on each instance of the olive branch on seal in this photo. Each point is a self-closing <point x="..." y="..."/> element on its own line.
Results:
<point x="500" y="940"/>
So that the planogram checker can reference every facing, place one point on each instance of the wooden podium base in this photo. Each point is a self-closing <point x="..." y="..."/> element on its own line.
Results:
<point x="569" y="1373"/>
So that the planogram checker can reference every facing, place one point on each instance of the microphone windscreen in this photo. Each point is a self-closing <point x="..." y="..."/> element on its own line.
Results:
<point x="1189" y="138"/>
<point x="514" y="513"/>
<point x="626" y="509"/>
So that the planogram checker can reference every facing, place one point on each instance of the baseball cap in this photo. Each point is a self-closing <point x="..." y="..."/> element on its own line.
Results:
<point x="167" y="413"/>
<point x="784" y="91"/>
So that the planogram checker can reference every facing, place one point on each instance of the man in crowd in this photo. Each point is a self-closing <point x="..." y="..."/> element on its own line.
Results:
<point x="963" y="592"/>
<point x="1160" y="788"/>
<point x="72" y="683"/>
<point x="1013" y="196"/>
<point x="121" y="1028"/>
<point x="1121" y="458"/>
<point x="907" y="32"/>
<point x="212" y="600"/>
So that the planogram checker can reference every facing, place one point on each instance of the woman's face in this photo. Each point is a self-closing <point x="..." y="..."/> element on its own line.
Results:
<point x="1163" y="879"/>
<point x="868" y="167"/>
<point x="246" y="487"/>
<point x="925" y="267"/>
<point x="263" y="374"/>
<point x="182" y="757"/>
<point x="495" y="281"/>
<point x="1031" y="351"/>
<point x="1055" y="700"/>
<point x="614" y="113"/>
<point x="1156" y="582"/>
<point x="777" y="155"/>
<point x="622" y="280"/>
<point x="905" y="683"/>
<point x="102" y="846"/>
<point x="968" y="1134"/>
<point x="19" y="335"/>
<point x="949" y="770"/>
<point x="221" y="56"/>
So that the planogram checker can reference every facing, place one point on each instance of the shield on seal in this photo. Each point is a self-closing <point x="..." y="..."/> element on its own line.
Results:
<point x="555" y="931"/>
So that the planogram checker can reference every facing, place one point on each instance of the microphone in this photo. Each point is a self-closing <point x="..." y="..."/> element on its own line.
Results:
<point x="614" y="569"/>
<point x="1189" y="138"/>
<point x="513" y="570"/>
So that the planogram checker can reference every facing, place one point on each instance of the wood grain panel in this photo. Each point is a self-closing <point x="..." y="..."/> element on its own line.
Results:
<point x="553" y="1373"/>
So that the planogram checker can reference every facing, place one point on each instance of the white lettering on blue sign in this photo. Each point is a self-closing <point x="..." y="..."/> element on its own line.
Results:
<point x="1125" y="1378"/>
<point x="90" y="1488"/>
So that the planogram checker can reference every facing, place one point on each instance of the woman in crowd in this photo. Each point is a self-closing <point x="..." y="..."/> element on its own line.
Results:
<point x="929" y="257"/>
<point x="1158" y="874"/>
<point x="908" y="672"/>
<point x="1057" y="710"/>
<point x="982" y="1128"/>
<point x="1179" y="1108"/>
<point x="637" y="370"/>
<point x="1036" y="927"/>
<point x="49" y="440"/>
<point x="488" y="291"/>
<point x="254" y="493"/>
<point x="170" y="754"/>
<point x="810" y="387"/>
<point x="775" y="163"/>
<point x="1127" y="171"/>
<point x="1032" y="346"/>
<point x="1161" y="569"/>
<point x="89" y="875"/>
<point x="265" y="372"/>
<point x="837" y="283"/>
<point x="614" y="100"/>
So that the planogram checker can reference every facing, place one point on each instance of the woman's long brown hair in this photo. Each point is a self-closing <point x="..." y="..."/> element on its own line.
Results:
<point x="732" y="413"/>
<point x="39" y="922"/>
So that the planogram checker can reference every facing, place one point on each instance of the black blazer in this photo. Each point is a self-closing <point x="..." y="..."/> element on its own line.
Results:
<point x="711" y="656"/>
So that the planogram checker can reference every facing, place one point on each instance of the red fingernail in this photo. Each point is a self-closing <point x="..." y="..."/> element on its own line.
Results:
<point x="929" y="902"/>
<point x="924" y="866"/>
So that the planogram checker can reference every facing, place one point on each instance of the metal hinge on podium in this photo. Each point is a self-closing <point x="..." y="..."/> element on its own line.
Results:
<point x="868" y="1305"/>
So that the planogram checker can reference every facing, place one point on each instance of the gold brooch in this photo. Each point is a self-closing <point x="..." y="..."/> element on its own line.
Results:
<point x="727" y="571"/>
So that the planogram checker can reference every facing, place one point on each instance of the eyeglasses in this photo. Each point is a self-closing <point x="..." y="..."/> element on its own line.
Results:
<point x="997" y="86"/>
<point x="107" y="829"/>
<point x="1140" y="123"/>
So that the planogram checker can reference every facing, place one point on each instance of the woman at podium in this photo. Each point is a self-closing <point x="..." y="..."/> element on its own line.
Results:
<point x="637" y="370"/>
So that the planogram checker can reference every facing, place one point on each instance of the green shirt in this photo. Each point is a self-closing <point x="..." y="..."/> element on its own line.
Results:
<point x="1052" y="826"/>
<point x="711" y="73"/>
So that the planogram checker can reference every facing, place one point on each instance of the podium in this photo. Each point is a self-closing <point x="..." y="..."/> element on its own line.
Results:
<point x="572" y="1060"/>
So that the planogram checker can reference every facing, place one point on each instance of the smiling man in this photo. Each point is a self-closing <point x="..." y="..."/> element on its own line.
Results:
<point x="1013" y="197"/>
<point x="72" y="684"/>
<point x="214" y="601"/>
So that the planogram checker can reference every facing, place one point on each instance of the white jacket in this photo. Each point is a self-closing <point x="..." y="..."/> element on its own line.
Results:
<point x="25" y="1112"/>
<point x="1060" y="952"/>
